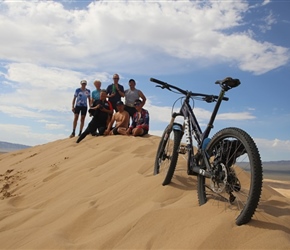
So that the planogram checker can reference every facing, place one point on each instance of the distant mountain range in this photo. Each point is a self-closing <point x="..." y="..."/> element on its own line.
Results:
<point x="8" y="147"/>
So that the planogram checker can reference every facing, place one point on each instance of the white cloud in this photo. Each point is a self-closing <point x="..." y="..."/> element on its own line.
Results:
<point x="54" y="126"/>
<point x="266" y="2"/>
<point x="20" y="112"/>
<point x="236" y="116"/>
<point x="111" y="34"/>
<point x="272" y="150"/>
<point x="25" y="135"/>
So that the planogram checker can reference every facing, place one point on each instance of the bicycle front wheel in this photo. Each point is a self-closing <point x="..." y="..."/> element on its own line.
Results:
<point x="236" y="170"/>
<point x="167" y="154"/>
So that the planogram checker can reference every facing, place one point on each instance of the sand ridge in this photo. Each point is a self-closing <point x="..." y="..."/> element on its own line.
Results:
<point x="102" y="194"/>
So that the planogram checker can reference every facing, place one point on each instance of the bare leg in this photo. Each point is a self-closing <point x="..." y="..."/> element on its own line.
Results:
<point x="75" y="121"/>
<point x="137" y="131"/>
<point x="122" y="131"/>
<point x="82" y="123"/>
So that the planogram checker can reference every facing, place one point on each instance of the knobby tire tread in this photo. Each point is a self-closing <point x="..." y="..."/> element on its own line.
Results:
<point x="256" y="172"/>
<point x="177" y="138"/>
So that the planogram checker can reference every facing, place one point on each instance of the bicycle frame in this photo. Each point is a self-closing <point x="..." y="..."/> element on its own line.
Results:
<point x="191" y="127"/>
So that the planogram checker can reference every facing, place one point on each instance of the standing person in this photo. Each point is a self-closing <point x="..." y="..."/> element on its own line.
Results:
<point x="79" y="105"/>
<point x="103" y="110"/>
<point x="95" y="95"/>
<point x="121" y="118"/>
<point x="131" y="95"/>
<point x="115" y="91"/>
<point x="140" y="123"/>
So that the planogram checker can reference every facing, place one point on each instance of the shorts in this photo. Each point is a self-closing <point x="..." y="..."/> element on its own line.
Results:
<point x="130" y="110"/>
<point x="81" y="109"/>
<point x="115" y="131"/>
<point x="145" y="132"/>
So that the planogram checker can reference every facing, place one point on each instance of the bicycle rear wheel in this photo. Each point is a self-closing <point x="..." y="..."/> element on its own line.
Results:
<point x="237" y="174"/>
<point x="167" y="154"/>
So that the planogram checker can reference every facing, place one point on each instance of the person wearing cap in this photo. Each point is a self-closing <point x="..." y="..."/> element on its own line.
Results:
<point x="131" y="95"/>
<point x="120" y="119"/>
<point x="115" y="91"/>
<point x="140" y="123"/>
<point x="79" y="105"/>
<point x="103" y="110"/>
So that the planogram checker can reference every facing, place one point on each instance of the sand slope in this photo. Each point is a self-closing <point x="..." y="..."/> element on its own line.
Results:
<point x="101" y="194"/>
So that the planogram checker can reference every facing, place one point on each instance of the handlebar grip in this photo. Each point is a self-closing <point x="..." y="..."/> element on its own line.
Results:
<point x="225" y="98"/>
<point x="157" y="81"/>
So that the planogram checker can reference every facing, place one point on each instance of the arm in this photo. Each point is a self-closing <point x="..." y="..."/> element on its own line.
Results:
<point x="133" y="125"/>
<point x="108" y="110"/>
<point x="90" y="101"/>
<point x="142" y="97"/>
<point x="109" y="91"/>
<point x="145" y="124"/>
<point x="73" y="103"/>
<point x="120" y="90"/>
<point x="92" y="98"/>
<point x="112" y="111"/>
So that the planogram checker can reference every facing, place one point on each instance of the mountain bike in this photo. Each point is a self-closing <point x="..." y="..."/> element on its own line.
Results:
<point x="228" y="165"/>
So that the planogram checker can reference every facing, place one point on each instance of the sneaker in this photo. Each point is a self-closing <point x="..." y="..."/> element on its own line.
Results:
<point x="72" y="135"/>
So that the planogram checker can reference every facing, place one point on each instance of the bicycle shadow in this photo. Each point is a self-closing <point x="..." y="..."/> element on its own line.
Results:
<point x="275" y="208"/>
<point x="184" y="182"/>
<point x="268" y="225"/>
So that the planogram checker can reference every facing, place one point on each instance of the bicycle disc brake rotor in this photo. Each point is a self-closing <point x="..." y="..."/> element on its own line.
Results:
<point x="219" y="179"/>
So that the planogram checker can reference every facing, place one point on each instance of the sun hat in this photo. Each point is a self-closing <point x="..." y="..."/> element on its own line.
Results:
<point x="83" y="82"/>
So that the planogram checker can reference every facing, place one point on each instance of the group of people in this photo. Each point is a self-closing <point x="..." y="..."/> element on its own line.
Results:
<point x="110" y="115"/>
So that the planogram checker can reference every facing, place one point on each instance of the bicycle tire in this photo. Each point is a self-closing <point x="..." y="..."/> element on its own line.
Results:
<point x="237" y="157"/>
<point x="167" y="154"/>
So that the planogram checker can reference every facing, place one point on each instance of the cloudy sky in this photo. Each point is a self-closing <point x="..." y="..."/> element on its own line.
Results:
<point x="48" y="47"/>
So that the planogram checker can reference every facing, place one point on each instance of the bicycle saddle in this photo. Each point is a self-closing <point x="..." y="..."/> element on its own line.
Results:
<point x="228" y="83"/>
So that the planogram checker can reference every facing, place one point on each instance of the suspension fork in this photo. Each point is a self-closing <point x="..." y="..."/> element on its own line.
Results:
<point x="172" y="120"/>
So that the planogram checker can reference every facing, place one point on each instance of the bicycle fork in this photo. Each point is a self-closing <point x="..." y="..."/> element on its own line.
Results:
<point x="192" y="166"/>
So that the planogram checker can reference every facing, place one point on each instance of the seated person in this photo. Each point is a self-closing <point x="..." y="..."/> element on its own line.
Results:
<point x="140" y="123"/>
<point x="102" y="111"/>
<point x="121" y="118"/>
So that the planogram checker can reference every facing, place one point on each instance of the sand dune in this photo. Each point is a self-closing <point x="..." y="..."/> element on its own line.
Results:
<point x="101" y="194"/>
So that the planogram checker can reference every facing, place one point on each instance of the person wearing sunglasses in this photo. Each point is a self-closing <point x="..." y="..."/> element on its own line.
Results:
<point x="131" y="95"/>
<point x="79" y="105"/>
<point x="121" y="121"/>
<point x="115" y="91"/>
<point x="140" y="123"/>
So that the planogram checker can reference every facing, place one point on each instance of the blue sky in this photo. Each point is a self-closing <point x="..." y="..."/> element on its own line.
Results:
<point x="48" y="47"/>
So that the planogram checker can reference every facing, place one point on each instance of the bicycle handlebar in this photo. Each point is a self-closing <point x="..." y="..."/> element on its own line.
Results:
<point x="207" y="98"/>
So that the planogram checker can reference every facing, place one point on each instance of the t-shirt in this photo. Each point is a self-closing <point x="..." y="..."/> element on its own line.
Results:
<point x="96" y="94"/>
<point x="100" y="116"/>
<point x="131" y="96"/>
<point x="141" y="119"/>
<point x="117" y="96"/>
<point x="82" y="97"/>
